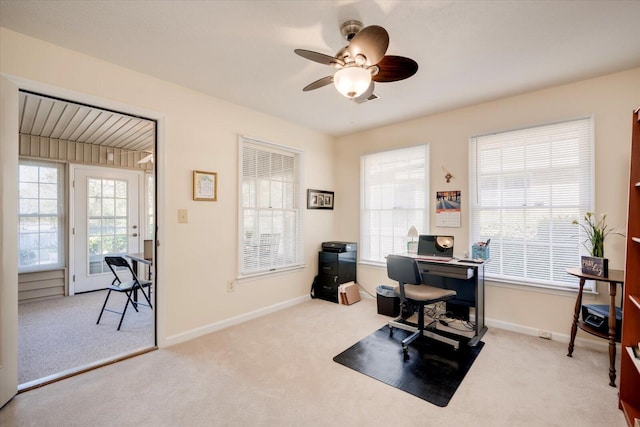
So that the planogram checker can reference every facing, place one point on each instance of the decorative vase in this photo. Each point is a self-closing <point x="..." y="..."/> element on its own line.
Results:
<point x="595" y="266"/>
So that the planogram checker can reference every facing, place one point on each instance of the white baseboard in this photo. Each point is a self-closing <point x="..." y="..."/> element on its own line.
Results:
<point x="213" y="327"/>
<point x="599" y="345"/>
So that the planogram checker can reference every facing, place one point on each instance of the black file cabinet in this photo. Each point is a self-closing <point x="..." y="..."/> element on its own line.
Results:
<point x="334" y="269"/>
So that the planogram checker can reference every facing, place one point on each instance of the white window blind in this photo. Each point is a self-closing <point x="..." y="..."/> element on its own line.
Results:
<point x="527" y="186"/>
<point x="40" y="216"/>
<point x="394" y="196"/>
<point x="270" y="223"/>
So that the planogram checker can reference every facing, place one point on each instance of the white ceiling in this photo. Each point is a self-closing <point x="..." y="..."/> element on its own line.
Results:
<point x="242" y="51"/>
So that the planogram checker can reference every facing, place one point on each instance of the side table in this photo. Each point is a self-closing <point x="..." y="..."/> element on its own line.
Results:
<point x="613" y="278"/>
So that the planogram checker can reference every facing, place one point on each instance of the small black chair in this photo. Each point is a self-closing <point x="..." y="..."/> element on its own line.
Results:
<point x="130" y="287"/>
<point x="413" y="295"/>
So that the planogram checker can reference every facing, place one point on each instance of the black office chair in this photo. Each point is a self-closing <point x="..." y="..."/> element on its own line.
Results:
<point x="130" y="287"/>
<point x="413" y="295"/>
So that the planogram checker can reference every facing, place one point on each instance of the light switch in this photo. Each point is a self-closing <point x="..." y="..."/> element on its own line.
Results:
<point x="182" y="216"/>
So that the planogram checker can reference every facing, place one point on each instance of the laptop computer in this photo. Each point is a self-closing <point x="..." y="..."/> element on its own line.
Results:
<point x="439" y="248"/>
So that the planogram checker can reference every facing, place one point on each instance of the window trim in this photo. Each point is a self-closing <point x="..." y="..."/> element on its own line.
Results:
<point x="300" y="198"/>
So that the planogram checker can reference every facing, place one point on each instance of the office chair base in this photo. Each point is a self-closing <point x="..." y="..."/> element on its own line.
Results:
<point x="408" y="340"/>
<point x="416" y="333"/>
<point x="454" y="343"/>
<point x="400" y="325"/>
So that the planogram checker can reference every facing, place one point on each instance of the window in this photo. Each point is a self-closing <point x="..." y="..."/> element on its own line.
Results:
<point x="270" y="221"/>
<point x="527" y="187"/>
<point x="394" y="196"/>
<point x="40" y="216"/>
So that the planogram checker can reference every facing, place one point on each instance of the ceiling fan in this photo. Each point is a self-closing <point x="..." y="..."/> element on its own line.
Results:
<point x="146" y="159"/>
<point x="361" y="63"/>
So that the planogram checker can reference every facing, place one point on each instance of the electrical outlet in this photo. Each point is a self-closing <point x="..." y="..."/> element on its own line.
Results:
<point x="544" y="334"/>
<point x="231" y="286"/>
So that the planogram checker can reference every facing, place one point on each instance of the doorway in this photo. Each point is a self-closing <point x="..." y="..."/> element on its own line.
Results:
<point x="109" y="208"/>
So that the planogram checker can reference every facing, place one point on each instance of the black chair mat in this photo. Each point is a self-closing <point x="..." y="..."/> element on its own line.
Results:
<point x="432" y="371"/>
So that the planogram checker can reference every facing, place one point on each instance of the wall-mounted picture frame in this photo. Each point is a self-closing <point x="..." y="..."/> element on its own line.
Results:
<point x="319" y="199"/>
<point x="205" y="186"/>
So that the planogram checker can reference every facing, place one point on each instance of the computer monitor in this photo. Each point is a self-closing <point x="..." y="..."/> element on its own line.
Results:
<point x="436" y="246"/>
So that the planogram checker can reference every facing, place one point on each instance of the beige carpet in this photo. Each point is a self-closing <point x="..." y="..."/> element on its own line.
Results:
<point x="278" y="371"/>
<point x="60" y="334"/>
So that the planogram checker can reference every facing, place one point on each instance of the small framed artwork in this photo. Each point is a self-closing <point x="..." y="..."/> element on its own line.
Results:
<point x="318" y="199"/>
<point x="205" y="186"/>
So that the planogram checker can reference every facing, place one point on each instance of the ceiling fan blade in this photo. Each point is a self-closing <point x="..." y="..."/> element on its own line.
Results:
<point x="147" y="158"/>
<point x="318" y="83"/>
<point x="372" y="42"/>
<point x="394" y="68"/>
<point x="319" y="57"/>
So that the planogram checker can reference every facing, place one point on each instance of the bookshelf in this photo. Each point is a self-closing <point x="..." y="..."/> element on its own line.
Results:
<point x="629" y="400"/>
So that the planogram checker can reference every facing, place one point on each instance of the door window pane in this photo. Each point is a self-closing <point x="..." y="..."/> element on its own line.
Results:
<point x="107" y="221"/>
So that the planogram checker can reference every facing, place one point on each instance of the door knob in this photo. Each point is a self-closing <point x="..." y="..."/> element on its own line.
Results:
<point x="134" y="227"/>
<point x="135" y="234"/>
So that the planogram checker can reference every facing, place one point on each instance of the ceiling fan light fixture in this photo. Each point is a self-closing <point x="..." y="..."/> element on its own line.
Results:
<point x="352" y="81"/>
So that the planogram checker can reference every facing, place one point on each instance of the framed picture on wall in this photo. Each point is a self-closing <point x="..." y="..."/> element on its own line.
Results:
<point x="319" y="199"/>
<point x="205" y="186"/>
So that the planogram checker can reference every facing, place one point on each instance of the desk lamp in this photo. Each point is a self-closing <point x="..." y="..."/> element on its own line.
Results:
<point x="412" y="245"/>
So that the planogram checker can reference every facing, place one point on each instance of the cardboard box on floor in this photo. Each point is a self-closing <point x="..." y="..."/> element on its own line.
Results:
<point x="349" y="293"/>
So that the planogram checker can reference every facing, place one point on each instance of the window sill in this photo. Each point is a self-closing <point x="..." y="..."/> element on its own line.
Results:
<point x="545" y="289"/>
<point x="527" y="287"/>
<point x="378" y="264"/>
<point x="264" y="274"/>
<point x="41" y="269"/>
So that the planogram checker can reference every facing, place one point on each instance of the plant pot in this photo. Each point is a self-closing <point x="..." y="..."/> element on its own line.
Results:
<point x="595" y="266"/>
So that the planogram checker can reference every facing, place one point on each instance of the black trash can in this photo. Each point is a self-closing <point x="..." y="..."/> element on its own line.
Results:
<point x="388" y="301"/>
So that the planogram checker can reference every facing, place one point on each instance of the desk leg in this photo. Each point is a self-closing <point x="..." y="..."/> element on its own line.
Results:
<point x="576" y="314"/>
<point x="134" y="267"/>
<point x="612" y="334"/>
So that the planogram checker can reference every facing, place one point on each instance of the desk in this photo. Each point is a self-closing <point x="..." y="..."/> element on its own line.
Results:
<point x="139" y="258"/>
<point x="135" y="259"/>
<point x="614" y="277"/>
<point x="467" y="279"/>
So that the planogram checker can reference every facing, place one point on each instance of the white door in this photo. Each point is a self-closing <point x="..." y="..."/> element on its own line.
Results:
<point x="8" y="240"/>
<point x="106" y="221"/>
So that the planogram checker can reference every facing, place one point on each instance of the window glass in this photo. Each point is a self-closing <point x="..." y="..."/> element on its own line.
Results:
<point x="40" y="216"/>
<point x="270" y="224"/>
<point x="394" y="197"/>
<point x="527" y="187"/>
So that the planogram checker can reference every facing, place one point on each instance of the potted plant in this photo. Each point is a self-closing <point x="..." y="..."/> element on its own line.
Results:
<point x="596" y="230"/>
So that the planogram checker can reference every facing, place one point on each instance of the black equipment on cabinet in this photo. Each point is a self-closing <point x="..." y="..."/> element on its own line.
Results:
<point x="336" y="265"/>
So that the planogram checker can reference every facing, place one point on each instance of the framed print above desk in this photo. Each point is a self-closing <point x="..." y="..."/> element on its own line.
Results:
<point x="318" y="199"/>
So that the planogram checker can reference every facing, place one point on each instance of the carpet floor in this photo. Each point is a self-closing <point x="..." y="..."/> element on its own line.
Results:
<point x="431" y="371"/>
<point x="61" y="334"/>
<point x="278" y="370"/>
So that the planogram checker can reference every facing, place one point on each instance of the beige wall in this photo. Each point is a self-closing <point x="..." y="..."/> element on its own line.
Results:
<point x="196" y="132"/>
<point x="610" y="100"/>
